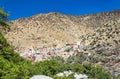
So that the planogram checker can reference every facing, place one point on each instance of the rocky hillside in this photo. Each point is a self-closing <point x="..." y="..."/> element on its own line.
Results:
<point x="54" y="30"/>
<point x="105" y="46"/>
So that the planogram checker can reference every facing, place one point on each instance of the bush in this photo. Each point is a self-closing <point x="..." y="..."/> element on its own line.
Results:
<point x="78" y="68"/>
<point x="77" y="59"/>
<point x="58" y="58"/>
<point x="12" y="66"/>
<point x="48" y="67"/>
<point x="96" y="71"/>
<point x="118" y="77"/>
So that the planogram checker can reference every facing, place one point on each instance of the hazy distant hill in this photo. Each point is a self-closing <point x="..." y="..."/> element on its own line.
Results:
<point x="55" y="29"/>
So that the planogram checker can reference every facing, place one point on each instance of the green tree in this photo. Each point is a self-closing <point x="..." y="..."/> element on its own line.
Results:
<point x="3" y="18"/>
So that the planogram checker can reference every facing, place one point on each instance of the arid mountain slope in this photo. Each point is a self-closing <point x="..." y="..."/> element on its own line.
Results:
<point x="105" y="46"/>
<point x="55" y="29"/>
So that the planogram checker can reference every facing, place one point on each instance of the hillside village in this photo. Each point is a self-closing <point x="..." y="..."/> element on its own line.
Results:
<point x="45" y="53"/>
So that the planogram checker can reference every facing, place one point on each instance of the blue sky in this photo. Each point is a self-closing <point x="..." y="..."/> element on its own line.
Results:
<point x="26" y="8"/>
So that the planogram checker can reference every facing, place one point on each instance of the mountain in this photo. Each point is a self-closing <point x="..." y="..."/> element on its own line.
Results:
<point x="55" y="29"/>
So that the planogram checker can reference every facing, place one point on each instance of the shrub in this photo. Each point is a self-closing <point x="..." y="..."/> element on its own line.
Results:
<point x="58" y="58"/>
<point x="77" y="59"/>
<point x="96" y="71"/>
<point x="118" y="77"/>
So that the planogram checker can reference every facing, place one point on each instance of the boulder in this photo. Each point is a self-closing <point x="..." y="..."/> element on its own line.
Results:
<point x="40" y="77"/>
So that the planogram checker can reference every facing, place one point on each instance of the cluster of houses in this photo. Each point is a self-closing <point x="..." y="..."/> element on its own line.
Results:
<point x="47" y="53"/>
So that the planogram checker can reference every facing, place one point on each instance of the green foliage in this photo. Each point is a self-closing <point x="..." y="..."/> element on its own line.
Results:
<point x="77" y="59"/>
<point x="58" y="58"/>
<point x="3" y="14"/>
<point x="3" y="41"/>
<point x="70" y="59"/>
<point x="3" y="18"/>
<point x="96" y="71"/>
<point x="78" y="68"/>
<point x="50" y="67"/>
<point x="118" y="77"/>
<point x="12" y="66"/>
